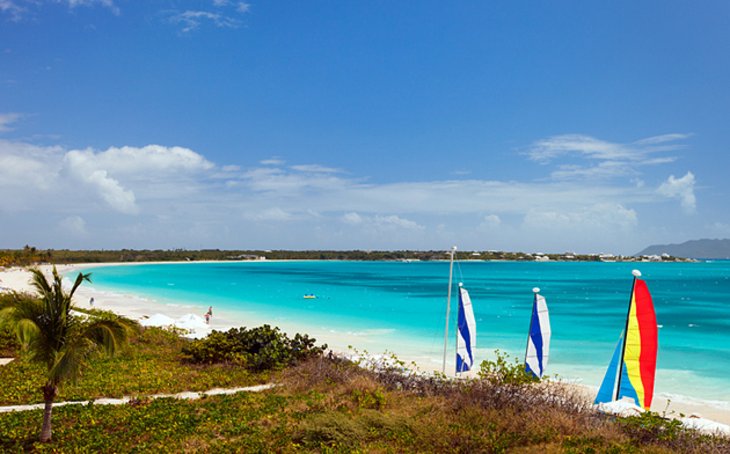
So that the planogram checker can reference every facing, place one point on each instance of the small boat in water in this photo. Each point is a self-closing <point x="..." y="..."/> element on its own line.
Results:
<point x="538" y="337"/>
<point x="466" y="330"/>
<point x="633" y="365"/>
<point x="310" y="296"/>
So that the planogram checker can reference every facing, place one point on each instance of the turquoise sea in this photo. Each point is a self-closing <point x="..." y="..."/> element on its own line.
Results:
<point x="400" y="307"/>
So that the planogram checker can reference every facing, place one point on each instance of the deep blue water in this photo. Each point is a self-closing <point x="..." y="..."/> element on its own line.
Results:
<point x="401" y="306"/>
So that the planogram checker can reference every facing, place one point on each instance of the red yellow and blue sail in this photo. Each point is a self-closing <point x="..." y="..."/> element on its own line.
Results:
<point x="633" y="365"/>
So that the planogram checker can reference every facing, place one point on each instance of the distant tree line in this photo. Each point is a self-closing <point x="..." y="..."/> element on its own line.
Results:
<point x="24" y="257"/>
<point x="30" y="255"/>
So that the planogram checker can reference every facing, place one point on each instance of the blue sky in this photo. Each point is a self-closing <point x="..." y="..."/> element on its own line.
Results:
<point x="550" y="126"/>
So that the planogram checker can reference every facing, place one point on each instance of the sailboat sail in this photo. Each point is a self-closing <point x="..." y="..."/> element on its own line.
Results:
<point x="610" y="380"/>
<point x="466" y="337"/>
<point x="538" y="338"/>
<point x="632" y="373"/>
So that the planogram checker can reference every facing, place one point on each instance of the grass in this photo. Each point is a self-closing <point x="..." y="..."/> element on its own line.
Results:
<point x="331" y="405"/>
<point x="151" y="364"/>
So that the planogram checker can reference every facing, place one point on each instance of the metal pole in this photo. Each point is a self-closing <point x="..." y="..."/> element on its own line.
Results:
<point x="536" y="291"/>
<point x="448" y="309"/>
<point x="637" y="274"/>
<point x="456" y="331"/>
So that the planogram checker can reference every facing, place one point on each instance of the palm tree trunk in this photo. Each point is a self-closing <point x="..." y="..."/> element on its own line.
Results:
<point x="49" y="393"/>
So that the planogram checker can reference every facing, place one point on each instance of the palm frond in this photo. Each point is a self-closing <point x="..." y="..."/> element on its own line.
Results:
<point x="40" y="283"/>
<point x="110" y="335"/>
<point x="79" y="279"/>
<point x="24" y="314"/>
<point x="26" y="332"/>
<point x="55" y="337"/>
<point x="71" y="360"/>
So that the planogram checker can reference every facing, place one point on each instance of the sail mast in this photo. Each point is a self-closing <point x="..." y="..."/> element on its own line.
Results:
<point x="448" y="309"/>
<point x="456" y="331"/>
<point x="637" y="274"/>
<point x="535" y="291"/>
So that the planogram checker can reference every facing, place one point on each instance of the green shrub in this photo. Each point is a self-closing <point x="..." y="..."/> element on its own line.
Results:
<point x="372" y="399"/>
<point x="650" y="426"/>
<point x="257" y="349"/>
<point x="500" y="371"/>
<point x="9" y="344"/>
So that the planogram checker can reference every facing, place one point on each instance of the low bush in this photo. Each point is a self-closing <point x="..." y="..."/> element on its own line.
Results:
<point x="9" y="344"/>
<point x="257" y="349"/>
<point x="502" y="371"/>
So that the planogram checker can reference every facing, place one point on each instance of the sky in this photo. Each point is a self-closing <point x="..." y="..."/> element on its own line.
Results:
<point x="594" y="127"/>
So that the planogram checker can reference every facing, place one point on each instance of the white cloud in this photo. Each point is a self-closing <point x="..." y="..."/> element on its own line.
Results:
<point x="148" y="160"/>
<point x="23" y="164"/>
<point x="153" y="163"/>
<point x="277" y="180"/>
<point x="664" y="138"/>
<point x="176" y="193"/>
<point x="590" y="219"/>
<point x="19" y="9"/>
<point x="682" y="189"/>
<point x="122" y="200"/>
<point x="352" y="218"/>
<point x="7" y="119"/>
<point x="395" y="222"/>
<point x="490" y="221"/>
<point x="380" y="223"/>
<point x="314" y="168"/>
<point x="191" y="20"/>
<point x="591" y="158"/>
<point x="272" y="162"/>
<point x="112" y="175"/>
<point x="270" y="214"/>
<point x="105" y="3"/>
<point x="545" y="150"/>
<point x="12" y="9"/>
<point x="605" y="169"/>
<point x="75" y="225"/>
<point x="243" y="7"/>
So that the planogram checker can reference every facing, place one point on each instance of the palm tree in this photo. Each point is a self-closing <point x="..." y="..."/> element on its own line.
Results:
<point x="58" y="339"/>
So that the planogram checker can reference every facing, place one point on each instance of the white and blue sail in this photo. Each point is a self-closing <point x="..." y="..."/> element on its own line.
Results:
<point x="607" y="391"/>
<point x="466" y="336"/>
<point x="538" y="337"/>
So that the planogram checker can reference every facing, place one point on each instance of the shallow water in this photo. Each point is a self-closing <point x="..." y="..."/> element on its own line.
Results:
<point x="400" y="307"/>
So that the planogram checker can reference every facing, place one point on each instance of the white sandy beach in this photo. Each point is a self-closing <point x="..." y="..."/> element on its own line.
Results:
<point x="191" y="316"/>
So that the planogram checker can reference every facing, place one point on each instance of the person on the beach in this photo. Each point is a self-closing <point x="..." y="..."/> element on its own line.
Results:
<point x="91" y="301"/>
<point x="209" y="314"/>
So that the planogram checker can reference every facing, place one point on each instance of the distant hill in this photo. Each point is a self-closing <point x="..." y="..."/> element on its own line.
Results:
<point x="696" y="249"/>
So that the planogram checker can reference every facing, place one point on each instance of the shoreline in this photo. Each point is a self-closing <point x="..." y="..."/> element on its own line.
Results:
<point x="138" y="307"/>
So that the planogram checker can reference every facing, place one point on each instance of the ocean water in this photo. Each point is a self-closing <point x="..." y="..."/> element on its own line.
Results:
<point x="400" y="307"/>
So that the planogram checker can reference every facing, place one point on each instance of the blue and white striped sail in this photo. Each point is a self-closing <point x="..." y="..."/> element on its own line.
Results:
<point x="466" y="337"/>
<point x="538" y="339"/>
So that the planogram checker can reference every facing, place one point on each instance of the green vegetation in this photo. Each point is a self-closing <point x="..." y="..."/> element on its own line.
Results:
<point x="8" y="339"/>
<point x="321" y="404"/>
<point x="152" y="363"/>
<point x="331" y="405"/>
<point x="501" y="371"/>
<point x="257" y="349"/>
<point x="23" y="257"/>
<point x="30" y="255"/>
<point x="57" y="340"/>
